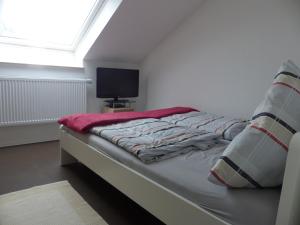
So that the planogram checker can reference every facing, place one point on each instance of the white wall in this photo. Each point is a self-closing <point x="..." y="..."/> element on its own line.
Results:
<point x="40" y="132"/>
<point x="14" y="69"/>
<point x="222" y="59"/>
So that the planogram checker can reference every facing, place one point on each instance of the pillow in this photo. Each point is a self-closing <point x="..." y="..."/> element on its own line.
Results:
<point x="227" y="127"/>
<point x="256" y="157"/>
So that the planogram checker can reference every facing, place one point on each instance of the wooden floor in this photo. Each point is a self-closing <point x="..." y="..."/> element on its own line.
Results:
<point x="30" y="165"/>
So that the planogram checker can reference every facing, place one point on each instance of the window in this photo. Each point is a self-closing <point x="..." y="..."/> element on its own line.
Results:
<point x="53" y="24"/>
<point x="51" y="32"/>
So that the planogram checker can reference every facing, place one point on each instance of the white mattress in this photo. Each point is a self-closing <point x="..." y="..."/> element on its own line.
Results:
<point x="187" y="176"/>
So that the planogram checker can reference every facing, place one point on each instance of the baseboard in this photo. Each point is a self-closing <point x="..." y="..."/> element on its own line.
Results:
<point x="19" y="135"/>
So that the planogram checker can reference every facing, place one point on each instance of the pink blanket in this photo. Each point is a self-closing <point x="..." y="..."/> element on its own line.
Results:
<point x="84" y="122"/>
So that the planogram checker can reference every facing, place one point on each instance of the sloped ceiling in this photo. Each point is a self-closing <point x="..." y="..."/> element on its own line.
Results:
<point x="137" y="27"/>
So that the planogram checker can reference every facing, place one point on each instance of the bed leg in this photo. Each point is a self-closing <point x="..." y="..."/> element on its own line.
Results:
<point x="66" y="158"/>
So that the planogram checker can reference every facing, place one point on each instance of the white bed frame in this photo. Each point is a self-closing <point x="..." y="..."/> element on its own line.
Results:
<point x="165" y="204"/>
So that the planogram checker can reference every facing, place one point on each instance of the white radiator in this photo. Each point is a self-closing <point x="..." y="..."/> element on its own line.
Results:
<point x="30" y="101"/>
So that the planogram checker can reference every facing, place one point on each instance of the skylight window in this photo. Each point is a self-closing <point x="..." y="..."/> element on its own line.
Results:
<point x="54" y="24"/>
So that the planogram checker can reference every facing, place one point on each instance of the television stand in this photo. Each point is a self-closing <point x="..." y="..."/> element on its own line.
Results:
<point x="114" y="110"/>
<point x="117" y="105"/>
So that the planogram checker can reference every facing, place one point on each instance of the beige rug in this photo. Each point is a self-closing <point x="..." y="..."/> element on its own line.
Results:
<point x="51" y="204"/>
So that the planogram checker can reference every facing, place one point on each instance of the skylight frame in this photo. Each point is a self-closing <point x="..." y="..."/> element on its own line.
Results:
<point x="52" y="46"/>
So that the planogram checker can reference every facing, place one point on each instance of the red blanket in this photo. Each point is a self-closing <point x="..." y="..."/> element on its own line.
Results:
<point x="83" y="122"/>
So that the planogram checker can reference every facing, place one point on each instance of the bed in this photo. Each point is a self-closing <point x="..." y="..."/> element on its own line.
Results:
<point x="165" y="190"/>
<point x="259" y="160"/>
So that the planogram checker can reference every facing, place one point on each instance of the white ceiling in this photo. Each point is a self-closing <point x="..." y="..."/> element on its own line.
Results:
<point x="137" y="27"/>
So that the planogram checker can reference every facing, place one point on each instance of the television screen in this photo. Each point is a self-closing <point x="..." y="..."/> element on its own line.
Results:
<point x="117" y="83"/>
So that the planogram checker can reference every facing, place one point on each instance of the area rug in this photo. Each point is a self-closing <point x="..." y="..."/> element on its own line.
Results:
<point x="51" y="204"/>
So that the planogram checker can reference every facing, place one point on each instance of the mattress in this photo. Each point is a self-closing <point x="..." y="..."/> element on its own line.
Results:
<point x="186" y="175"/>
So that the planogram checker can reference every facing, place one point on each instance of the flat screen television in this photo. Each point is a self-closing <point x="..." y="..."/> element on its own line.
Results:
<point x="117" y="83"/>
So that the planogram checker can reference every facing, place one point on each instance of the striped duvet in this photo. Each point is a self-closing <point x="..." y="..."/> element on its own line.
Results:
<point x="152" y="139"/>
<point x="226" y="127"/>
<point x="256" y="157"/>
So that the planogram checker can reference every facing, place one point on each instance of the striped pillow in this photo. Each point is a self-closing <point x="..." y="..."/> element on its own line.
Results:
<point x="256" y="157"/>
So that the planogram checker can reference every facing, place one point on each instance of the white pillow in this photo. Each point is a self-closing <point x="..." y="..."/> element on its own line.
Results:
<point x="256" y="157"/>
